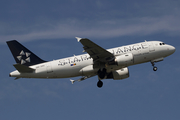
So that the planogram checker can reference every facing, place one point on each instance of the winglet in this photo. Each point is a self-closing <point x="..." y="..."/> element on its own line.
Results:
<point x="72" y="81"/>
<point x="78" y="39"/>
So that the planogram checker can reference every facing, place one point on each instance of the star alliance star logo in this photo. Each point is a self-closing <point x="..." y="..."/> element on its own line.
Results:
<point x="24" y="57"/>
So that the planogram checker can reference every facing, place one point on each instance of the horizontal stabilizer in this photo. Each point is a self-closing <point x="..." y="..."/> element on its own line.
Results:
<point x="72" y="81"/>
<point x="23" y="68"/>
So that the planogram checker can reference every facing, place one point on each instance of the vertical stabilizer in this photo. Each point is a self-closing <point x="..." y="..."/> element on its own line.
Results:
<point x="22" y="55"/>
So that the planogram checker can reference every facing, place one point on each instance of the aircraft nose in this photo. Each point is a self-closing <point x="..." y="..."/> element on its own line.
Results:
<point x="172" y="49"/>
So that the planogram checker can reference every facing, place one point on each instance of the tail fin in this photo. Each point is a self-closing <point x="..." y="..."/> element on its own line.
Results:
<point x="22" y="55"/>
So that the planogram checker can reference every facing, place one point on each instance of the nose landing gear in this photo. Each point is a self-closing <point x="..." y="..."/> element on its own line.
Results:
<point x="154" y="67"/>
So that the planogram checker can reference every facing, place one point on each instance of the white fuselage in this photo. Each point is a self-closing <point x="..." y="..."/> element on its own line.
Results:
<point x="151" y="51"/>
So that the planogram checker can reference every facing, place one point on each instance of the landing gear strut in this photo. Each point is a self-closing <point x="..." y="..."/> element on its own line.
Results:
<point x="154" y="67"/>
<point x="102" y="73"/>
<point x="100" y="84"/>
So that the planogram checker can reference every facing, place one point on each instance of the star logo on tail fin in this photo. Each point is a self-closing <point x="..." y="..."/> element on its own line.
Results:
<point x="24" y="57"/>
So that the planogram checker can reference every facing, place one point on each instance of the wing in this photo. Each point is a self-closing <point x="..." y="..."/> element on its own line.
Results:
<point x="97" y="53"/>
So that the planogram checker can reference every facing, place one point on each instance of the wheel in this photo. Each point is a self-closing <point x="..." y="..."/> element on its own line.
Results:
<point x="100" y="84"/>
<point x="155" y="68"/>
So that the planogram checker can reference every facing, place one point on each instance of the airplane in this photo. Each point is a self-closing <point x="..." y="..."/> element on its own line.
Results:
<point x="106" y="64"/>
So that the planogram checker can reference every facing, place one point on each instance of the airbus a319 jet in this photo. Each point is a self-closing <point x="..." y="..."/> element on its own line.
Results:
<point x="106" y="64"/>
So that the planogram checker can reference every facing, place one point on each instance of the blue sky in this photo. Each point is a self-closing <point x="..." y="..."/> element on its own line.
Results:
<point x="49" y="28"/>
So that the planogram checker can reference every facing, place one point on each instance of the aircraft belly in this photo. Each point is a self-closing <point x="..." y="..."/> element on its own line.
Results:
<point x="140" y="59"/>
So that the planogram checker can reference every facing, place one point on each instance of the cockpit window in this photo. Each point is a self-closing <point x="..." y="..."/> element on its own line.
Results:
<point x="161" y="43"/>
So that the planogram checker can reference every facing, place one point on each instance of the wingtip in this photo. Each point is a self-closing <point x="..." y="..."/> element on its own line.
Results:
<point x="78" y="38"/>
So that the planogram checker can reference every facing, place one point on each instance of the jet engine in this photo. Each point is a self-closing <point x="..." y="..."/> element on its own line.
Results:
<point x="123" y="60"/>
<point x="119" y="74"/>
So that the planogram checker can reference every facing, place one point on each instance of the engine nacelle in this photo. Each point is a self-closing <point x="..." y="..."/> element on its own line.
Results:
<point x="125" y="60"/>
<point x="119" y="74"/>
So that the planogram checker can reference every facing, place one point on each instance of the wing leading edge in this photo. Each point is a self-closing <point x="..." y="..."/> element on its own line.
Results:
<point x="97" y="53"/>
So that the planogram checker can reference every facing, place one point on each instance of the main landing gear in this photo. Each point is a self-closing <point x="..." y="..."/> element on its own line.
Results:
<point x="102" y="75"/>
<point x="100" y="84"/>
<point x="154" y="67"/>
